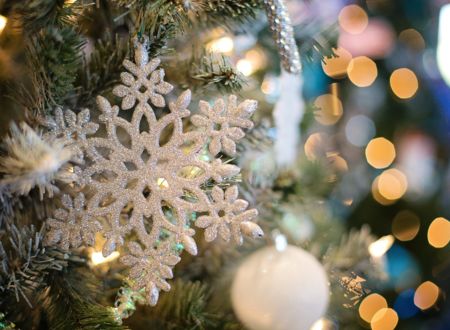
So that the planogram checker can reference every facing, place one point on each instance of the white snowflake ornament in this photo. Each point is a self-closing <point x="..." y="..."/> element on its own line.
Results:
<point x="145" y="178"/>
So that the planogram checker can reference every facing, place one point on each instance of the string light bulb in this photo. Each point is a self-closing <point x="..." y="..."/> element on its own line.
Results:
<point x="3" y="21"/>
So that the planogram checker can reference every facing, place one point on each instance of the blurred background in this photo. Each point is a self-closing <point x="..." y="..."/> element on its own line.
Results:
<point x="379" y="112"/>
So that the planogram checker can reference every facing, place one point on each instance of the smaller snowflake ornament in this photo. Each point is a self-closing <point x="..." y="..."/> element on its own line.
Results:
<point x="145" y="177"/>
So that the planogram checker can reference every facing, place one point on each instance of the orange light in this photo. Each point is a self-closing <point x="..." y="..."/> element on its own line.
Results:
<point x="362" y="71"/>
<point x="404" y="83"/>
<point x="439" y="233"/>
<point x="336" y="67"/>
<point x="376" y="194"/>
<point x="405" y="225"/>
<point x="380" y="152"/>
<point x="353" y="19"/>
<point x="412" y="38"/>
<point x="337" y="162"/>
<point x="315" y="146"/>
<point x="392" y="184"/>
<point x="426" y="295"/>
<point x="329" y="109"/>
<point x="371" y="305"/>
<point x="384" y="319"/>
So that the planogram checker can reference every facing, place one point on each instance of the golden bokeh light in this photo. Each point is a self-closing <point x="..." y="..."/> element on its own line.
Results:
<point x="371" y="305"/>
<point x="412" y="38"/>
<point x="3" y="21"/>
<point x="426" y="295"/>
<point x="439" y="233"/>
<point x="353" y="19"/>
<point x="315" y="146"/>
<point x="376" y="194"/>
<point x="336" y="67"/>
<point x="384" y="319"/>
<point x="221" y="45"/>
<point x="245" y="67"/>
<point x="405" y="225"/>
<point x="380" y="152"/>
<point x="328" y="109"/>
<point x="362" y="71"/>
<point x="404" y="83"/>
<point x="337" y="162"/>
<point x="392" y="184"/>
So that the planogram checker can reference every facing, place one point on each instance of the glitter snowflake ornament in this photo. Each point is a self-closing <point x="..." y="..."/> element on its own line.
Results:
<point x="145" y="178"/>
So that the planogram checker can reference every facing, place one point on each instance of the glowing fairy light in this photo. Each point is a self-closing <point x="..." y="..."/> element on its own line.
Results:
<point x="443" y="48"/>
<point x="245" y="67"/>
<point x="378" y="248"/>
<point x="221" y="45"/>
<point x="3" y="21"/>
<point x="323" y="324"/>
<point x="162" y="183"/>
<point x="97" y="258"/>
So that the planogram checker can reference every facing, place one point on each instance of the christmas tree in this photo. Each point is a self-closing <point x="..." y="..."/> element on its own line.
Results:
<point x="224" y="164"/>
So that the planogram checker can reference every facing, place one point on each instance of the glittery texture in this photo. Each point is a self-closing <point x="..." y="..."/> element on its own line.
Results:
<point x="143" y="177"/>
<point x="280" y="25"/>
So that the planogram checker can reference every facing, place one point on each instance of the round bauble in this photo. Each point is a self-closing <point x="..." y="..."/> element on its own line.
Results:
<point x="280" y="290"/>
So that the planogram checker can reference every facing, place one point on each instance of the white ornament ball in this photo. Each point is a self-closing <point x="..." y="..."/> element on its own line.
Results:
<point x="280" y="290"/>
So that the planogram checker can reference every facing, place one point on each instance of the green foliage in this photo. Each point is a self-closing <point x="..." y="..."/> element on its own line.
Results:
<point x="37" y="14"/>
<point x="56" y="56"/>
<point x="228" y="11"/>
<point x="102" y="71"/>
<point x="210" y="70"/>
<point x="184" y="307"/>
<point x="70" y="303"/>
<point x="25" y="263"/>
<point x="162" y="21"/>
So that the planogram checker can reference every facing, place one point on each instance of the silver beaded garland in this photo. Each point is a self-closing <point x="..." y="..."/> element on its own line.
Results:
<point x="281" y="27"/>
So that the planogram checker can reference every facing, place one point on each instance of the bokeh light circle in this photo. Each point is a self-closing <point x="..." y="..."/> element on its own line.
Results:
<point x="328" y="109"/>
<point x="426" y="295"/>
<point x="392" y="184"/>
<point x="371" y="305"/>
<point x="353" y="19"/>
<point x="384" y="319"/>
<point x="380" y="153"/>
<point x="404" y="83"/>
<point x="359" y="130"/>
<point x="439" y="233"/>
<point x="362" y="71"/>
<point x="405" y="225"/>
<point x="336" y="67"/>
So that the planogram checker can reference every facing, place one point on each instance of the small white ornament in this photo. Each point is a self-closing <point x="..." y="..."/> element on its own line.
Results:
<point x="280" y="290"/>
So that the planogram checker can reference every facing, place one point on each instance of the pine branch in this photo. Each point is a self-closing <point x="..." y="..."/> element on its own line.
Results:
<point x="229" y="12"/>
<point x="70" y="303"/>
<point x="25" y="263"/>
<point x="38" y="14"/>
<point x="210" y="71"/>
<point x="184" y="307"/>
<point x="55" y="54"/>
<point x="102" y="71"/>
